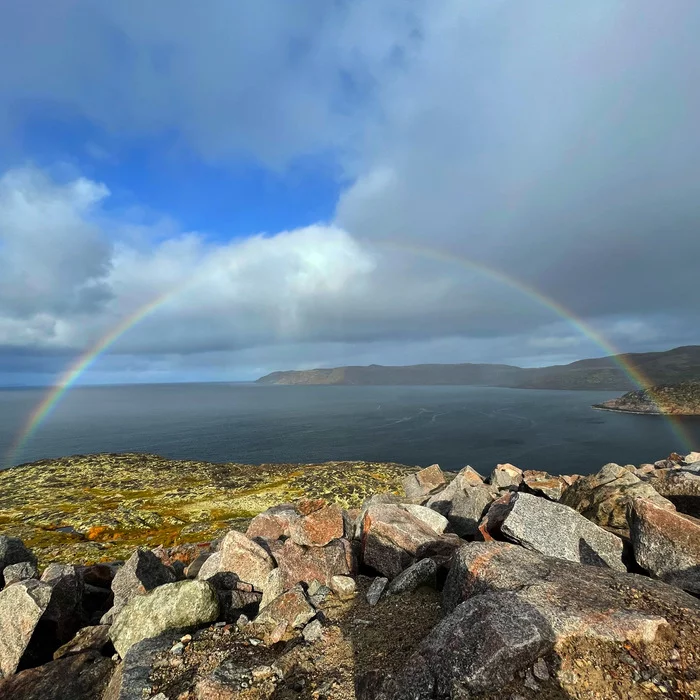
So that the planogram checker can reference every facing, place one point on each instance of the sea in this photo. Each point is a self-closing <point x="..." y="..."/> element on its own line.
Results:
<point x="453" y="426"/>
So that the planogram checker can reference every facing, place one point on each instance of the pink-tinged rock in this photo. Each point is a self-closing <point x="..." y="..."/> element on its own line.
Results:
<point x="274" y="523"/>
<point x="247" y="559"/>
<point x="291" y="611"/>
<point x="182" y="555"/>
<point x="306" y="564"/>
<point x="666" y="544"/>
<point x="393" y="539"/>
<point x="490" y="525"/>
<point x="424" y="482"/>
<point x="309" y="505"/>
<point x="544" y="484"/>
<point x="319" y="527"/>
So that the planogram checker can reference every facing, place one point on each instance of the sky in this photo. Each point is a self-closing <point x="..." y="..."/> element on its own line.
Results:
<point x="330" y="182"/>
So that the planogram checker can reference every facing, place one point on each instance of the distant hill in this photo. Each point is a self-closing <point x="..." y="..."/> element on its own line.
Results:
<point x="668" y="367"/>
<point x="675" y="399"/>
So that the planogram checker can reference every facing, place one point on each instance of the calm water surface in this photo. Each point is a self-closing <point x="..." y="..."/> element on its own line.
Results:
<point x="453" y="426"/>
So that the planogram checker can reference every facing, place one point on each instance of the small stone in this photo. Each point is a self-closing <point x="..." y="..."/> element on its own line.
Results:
<point x="343" y="586"/>
<point x="12" y="551"/>
<point x="375" y="590"/>
<point x="177" y="649"/>
<point x="421" y="573"/>
<point x="313" y="631"/>
<point x="186" y="639"/>
<point x="540" y="670"/>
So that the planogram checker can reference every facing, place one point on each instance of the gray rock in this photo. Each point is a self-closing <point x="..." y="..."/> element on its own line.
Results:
<point x="313" y="631"/>
<point x="193" y="569"/>
<point x="343" y="586"/>
<point x="24" y="571"/>
<point x="171" y="606"/>
<point x="430" y="517"/>
<point x="506" y="477"/>
<point x="21" y="607"/>
<point x="464" y="501"/>
<point x="140" y="574"/>
<point x="556" y="530"/>
<point x="13" y="551"/>
<point x="666" y="544"/>
<point x="95" y="638"/>
<point x="604" y="497"/>
<point x="273" y="587"/>
<point x="419" y="574"/>
<point x="77" y="677"/>
<point x="375" y="590"/>
<point x="681" y="486"/>
<point x="234" y="603"/>
<point x="65" y="608"/>
<point x="478" y="648"/>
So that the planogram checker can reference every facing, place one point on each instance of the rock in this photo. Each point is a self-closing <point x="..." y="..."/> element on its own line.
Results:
<point x="680" y="486"/>
<point x="666" y="544"/>
<point x="313" y="631"/>
<point x="343" y="586"/>
<point x="65" y="607"/>
<point x="604" y="497"/>
<point x="318" y="594"/>
<point x="490" y="524"/>
<point x="12" y="551"/>
<point x="290" y="610"/>
<point x="95" y="638"/>
<point x="430" y="517"/>
<point x="98" y="575"/>
<point x="234" y="603"/>
<point x="544" y="484"/>
<point x="274" y="523"/>
<point x="210" y="567"/>
<point x="304" y="564"/>
<point x="23" y="571"/>
<point x="419" y="574"/>
<point x="556" y="530"/>
<point x="506" y="477"/>
<point x="233" y="679"/>
<point x="464" y="501"/>
<point x="692" y="457"/>
<point x="273" y="587"/>
<point x="576" y="600"/>
<point x="245" y="558"/>
<point x="81" y="676"/>
<point x="193" y="569"/>
<point x="424" y="482"/>
<point x="375" y="590"/>
<point x="171" y="606"/>
<point x="21" y="607"/>
<point x="141" y="573"/>
<point x="476" y="649"/>
<point x="393" y="539"/>
<point x="318" y="528"/>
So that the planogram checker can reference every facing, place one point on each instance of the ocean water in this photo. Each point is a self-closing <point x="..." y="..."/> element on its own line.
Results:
<point x="553" y="430"/>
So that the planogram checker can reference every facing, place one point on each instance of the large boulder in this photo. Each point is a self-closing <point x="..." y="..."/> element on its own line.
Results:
<point x="393" y="539"/>
<point x="13" y="551"/>
<point x="306" y="564"/>
<point x="140" y="574"/>
<point x="274" y="523"/>
<point x="464" y="501"/>
<point x="556" y="530"/>
<point x="425" y="482"/>
<point x="23" y="571"/>
<point x="319" y="527"/>
<point x="21" y="608"/>
<point x="246" y="558"/>
<point x="171" y="606"/>
<point x="666" y="544"/>
<point x="604" y="497"/>
<point x="681" y="486"/>
<point x="81" y="676"/>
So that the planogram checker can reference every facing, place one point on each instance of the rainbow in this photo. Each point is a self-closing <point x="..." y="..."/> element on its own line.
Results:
<point x="635" y="375"/>
<point x="72" y="374"/>
<point x="84" y="361"/>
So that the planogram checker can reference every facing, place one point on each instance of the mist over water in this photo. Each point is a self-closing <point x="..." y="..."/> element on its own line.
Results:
<point x="553" y="430"/>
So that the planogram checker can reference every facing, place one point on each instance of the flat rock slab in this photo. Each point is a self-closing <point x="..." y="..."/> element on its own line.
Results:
<point x="172" y="606"/>
<point x="21" y="607"/>
<point x="77" y="677"/>
<point x="666" y="544"/>
<point x="556" y="530"/>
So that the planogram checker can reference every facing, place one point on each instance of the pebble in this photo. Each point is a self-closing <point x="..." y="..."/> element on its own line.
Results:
<point x="255" y="641"/>
<point x="540" y="670"/>
<point x="186" y="639"/>
<point x="178" y="649"/>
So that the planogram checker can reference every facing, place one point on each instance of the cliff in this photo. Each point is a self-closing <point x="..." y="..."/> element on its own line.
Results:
<point x="675" y="399"/>
<point x="671" y="366"/>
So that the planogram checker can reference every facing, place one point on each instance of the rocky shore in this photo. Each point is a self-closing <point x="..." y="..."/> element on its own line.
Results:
<point x="517" y="586"/>
<point x="673" y="399"/>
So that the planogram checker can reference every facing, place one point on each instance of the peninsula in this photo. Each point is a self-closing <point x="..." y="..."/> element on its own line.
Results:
<point x="674" y="399"/>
